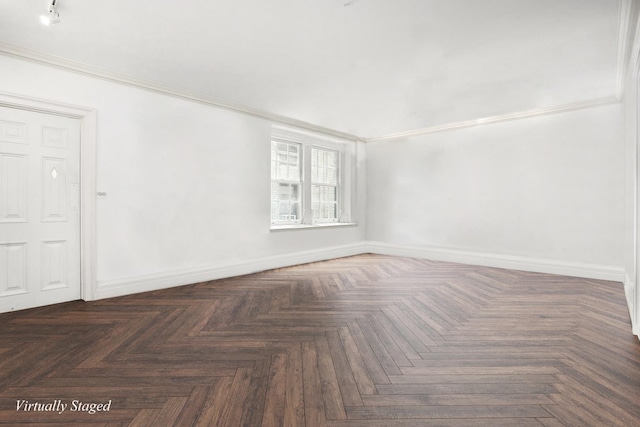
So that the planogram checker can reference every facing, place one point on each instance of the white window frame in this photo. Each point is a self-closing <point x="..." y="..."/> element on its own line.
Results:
<point x="346" y="151"/>
<point x="299" y="182"/>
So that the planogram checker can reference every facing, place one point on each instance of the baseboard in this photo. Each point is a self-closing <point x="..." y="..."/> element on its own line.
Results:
<point x="629" y="288"/>
<point x="628" y="293"/>
<point x="169" y="279"/>
<point x="590" y="271"/>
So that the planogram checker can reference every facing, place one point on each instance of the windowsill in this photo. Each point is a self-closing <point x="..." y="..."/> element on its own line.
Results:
<point x="312" y="226"/>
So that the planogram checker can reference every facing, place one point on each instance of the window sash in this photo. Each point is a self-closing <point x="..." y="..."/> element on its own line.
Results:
<point x="286" y="202"/>
<point x="286" y="162"/>
<point x="325" y="185"/>
<point x="286" y="182"/>
<point x="324" y="166"/>
<point x="324" y="203"/>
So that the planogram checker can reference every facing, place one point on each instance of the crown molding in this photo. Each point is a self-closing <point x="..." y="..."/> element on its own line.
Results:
<point x="81" y="68"/>
<point x="85" y="69"/>
<point x="500" y="118"/>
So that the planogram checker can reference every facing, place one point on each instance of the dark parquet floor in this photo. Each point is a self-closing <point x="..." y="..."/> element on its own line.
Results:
<point x="362" y="341"/>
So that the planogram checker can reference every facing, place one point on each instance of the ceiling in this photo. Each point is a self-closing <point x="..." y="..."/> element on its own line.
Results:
<point x="364" y="67"/>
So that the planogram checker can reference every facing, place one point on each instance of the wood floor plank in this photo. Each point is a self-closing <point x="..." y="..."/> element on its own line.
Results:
<point x="145" y="417"/>
<point x="199" y="400"/>
<point x="170" y="412"/>
<point x="405" y="343"/>
<point x="421" y="335"/>
<point x="472" y="379"/>
<point x="381" y="353"/>
<point x="459" y="399"/>
<point x="276" y="392"/>
<point x="344" y="375"/>
<point x="375" y="369"/>
<point x="550" y="422"/>
<point x="447" y="411"/>
<point x="333" y="404"/>
<point x="255" y="399"/>
<point x="480" y="388"/>
<point x="294" y="414"/>
<point x="212" y="411"/>
<point x="597" y="403"/>
<point x="394" y="350"/>
<point x="455" y="422"/>
<point x="231" y="413"/>
<point x="314" y="409"/>
<point x="357" y="365"/>
<point x="369" y="340"/>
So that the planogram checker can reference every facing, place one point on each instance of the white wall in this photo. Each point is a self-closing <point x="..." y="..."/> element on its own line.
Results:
<point x="188" y="188"/>
<point x="548" y="190"/>
<point x="187" y="185"/>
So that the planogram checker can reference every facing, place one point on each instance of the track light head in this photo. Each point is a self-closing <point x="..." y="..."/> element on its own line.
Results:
<point x="51" y="16"/>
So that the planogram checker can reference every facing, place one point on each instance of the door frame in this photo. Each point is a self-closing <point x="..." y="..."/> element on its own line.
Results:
<point x="88" y="143"/>
<point x="633" y="292"/>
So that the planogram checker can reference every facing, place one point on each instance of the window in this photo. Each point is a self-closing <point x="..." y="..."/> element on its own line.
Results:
<point x="308" y="185"/>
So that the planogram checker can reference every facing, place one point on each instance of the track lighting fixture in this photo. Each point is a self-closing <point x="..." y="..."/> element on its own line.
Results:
<point x="51" y="16"/>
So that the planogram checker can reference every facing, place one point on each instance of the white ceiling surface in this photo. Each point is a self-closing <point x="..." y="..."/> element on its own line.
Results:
<point x="365" y="67"/>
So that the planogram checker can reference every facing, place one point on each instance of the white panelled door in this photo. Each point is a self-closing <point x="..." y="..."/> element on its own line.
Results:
<point x="39" y="209"/>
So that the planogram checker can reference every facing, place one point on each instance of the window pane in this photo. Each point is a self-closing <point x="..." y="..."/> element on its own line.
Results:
<point x="282" y="149"/>
<point x="324" y="202"/>
<point x="294" y="172"/>
<point x="285" y="202"/>
<point x="285" y="161"/>
<point x="283" y="192"/>
<point x="294" y="162"/>
<point x="295" y="192"/>
<point x="295" y="214"/>
<point x="324" y="166"/>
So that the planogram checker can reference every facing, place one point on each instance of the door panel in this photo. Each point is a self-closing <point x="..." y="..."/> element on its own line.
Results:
<point x="54" y="190"/>
<point x="13" y="188"/>
<point x="13" y="262"/>
<point x="39" y="212"/>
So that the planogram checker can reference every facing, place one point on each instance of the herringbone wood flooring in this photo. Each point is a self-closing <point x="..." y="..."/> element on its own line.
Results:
<point x="361" y="341"/>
